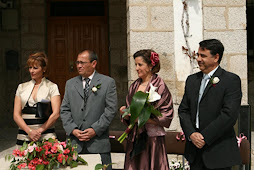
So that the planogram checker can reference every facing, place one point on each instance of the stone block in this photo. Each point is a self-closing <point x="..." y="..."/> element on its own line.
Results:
<point x="33" y="42"/>
<point x="172" y="88"/>
<point x="237" y="18"/>
<point x="238" y="65"/>
<point x="162" y="17"/>
<point x="33" y="11"/>
<point x="161" y="42"/>
<point x="175" y="124"/>
<point x="180" y="85"/>
<point x="5" y="42"/>
<point x="224" y="62"/>
<point x="233" y="41"/>
<point x="138" y="17"/>
<point x="132" y="73"/>
<point x="115" y="56"/>
<point x="115" y="41"/>
<point x="214" y="18"/>
<point x="117" y="10"/>
<point x="115" y="25"/>
<point x="131" y="2"/>
<point x="224" y="2"/>
<point x="244" y="91"/>
<point x="167" y="71"/>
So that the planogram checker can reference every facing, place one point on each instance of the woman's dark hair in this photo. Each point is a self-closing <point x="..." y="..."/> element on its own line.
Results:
<point x="40" y="58"/>
<point x="215" y="47"/>
<point x="146" y="55"/>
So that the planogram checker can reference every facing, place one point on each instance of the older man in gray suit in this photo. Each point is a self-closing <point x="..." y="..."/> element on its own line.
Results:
<point x="88" y="107"/>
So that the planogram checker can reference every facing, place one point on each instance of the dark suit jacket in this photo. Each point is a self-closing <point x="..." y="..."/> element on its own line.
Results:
<point x="100" y="110"/>
<point x="218" y="111"/>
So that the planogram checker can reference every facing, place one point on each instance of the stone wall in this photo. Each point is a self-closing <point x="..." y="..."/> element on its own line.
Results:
<point x="118" y="54"/>
<point x="226" y="20"/>
<point x="10" y="40"/>
<point x="150" y="25"/>
<point x="31" y="36"/>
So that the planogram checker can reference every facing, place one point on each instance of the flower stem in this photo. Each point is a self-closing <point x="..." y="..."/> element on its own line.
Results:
<point x="126" y="132"/>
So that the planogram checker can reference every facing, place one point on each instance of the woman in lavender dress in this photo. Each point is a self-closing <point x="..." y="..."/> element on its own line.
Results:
<point x="150" y="152"/>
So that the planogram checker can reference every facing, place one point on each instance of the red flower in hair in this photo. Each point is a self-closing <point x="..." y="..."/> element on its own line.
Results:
<point x="154" y="58"/>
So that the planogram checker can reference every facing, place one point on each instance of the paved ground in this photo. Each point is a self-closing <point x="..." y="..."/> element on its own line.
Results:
<point x="8" y="139"/>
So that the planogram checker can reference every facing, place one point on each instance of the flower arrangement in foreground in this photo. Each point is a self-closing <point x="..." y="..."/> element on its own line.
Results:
<point x="141" y="108"/>
<point x="177" y="165"/>
<point x="47" y="154"/>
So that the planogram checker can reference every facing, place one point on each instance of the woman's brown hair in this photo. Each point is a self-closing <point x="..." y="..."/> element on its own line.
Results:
<point x="146" y="55"/>
<point x="40" y="58"/>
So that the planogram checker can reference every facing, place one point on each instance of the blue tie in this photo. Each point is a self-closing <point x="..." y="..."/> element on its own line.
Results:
<point x="86" y="89"/>
<point x="201" y="91"/>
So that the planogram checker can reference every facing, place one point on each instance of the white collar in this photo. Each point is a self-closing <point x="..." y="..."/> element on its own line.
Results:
<point x="210" y="74"/>
<point x="90" y="77"/>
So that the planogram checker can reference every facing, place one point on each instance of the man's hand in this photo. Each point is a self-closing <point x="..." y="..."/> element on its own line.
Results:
<point x="197" y="139"/>
<point x="79" y="134"/>
<point x="89" y="134"/>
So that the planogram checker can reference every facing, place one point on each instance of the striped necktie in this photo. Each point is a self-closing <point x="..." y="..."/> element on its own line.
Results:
<point x="86" y="89"/>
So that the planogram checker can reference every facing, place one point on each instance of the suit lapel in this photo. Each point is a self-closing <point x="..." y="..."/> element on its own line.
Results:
<point x="95" y="81"/>
<point x="196" y="87"/>
<point x="217" y="73"/>
<point x="79" y="86"/>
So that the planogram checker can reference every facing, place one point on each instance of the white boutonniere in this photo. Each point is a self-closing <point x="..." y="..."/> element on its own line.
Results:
<point x="95" y="88"/>
<point x="214" y="80"/>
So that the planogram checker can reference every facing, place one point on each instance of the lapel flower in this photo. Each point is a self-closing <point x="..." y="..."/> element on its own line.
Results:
<point x="95" y="88"/>
<point x="214" y="80"/>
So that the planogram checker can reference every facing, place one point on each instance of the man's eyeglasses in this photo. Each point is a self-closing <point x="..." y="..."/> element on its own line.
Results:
<point x="81" y="62"/>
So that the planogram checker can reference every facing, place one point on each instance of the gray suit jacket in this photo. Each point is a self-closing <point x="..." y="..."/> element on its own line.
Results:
<point x="100" y="109"/>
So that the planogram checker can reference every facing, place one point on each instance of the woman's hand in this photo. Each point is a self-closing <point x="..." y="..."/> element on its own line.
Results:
<point x="34" y="135"/>
<point x="127" y="117"/>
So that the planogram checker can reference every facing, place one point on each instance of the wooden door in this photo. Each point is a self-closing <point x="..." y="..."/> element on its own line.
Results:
<point x="69" y="35"/>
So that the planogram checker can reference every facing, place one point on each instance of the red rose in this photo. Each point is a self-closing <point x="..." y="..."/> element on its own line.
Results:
<point x="154" y="58"/>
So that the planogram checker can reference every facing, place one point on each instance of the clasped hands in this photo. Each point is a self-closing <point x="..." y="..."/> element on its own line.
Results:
<point x="35" y="134"/>
<point x="84" y="135"/>
<point x="197" y="139"/>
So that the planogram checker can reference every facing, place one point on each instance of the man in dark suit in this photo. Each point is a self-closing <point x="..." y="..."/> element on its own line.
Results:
<point x="88" y="107"/>
<point x="208" y="116"/>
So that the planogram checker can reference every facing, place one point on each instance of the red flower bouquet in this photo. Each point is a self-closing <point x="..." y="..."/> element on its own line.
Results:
<point x="47" y="154"/>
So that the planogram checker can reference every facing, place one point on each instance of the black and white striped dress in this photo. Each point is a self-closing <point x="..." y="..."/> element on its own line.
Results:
<point x="46" y="91"/>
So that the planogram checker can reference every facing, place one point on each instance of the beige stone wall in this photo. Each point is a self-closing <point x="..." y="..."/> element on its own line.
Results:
<point x="226" y="20"/>
<point x="150" y="25"/>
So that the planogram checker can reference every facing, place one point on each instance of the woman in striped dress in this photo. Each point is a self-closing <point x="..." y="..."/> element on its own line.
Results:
<point x="39" y="89"/>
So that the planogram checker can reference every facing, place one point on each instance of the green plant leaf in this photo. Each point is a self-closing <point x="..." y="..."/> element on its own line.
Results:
<point x="73" y="164"/>
<point x="155" y="112"/>
<point x="99" y="166"/>
<point x="126" y="112"/>
<point x="137" y="104"/>
<point x="40" y="167"/>
<point x="144" y="115"/>
<point x="82" y="160"/>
